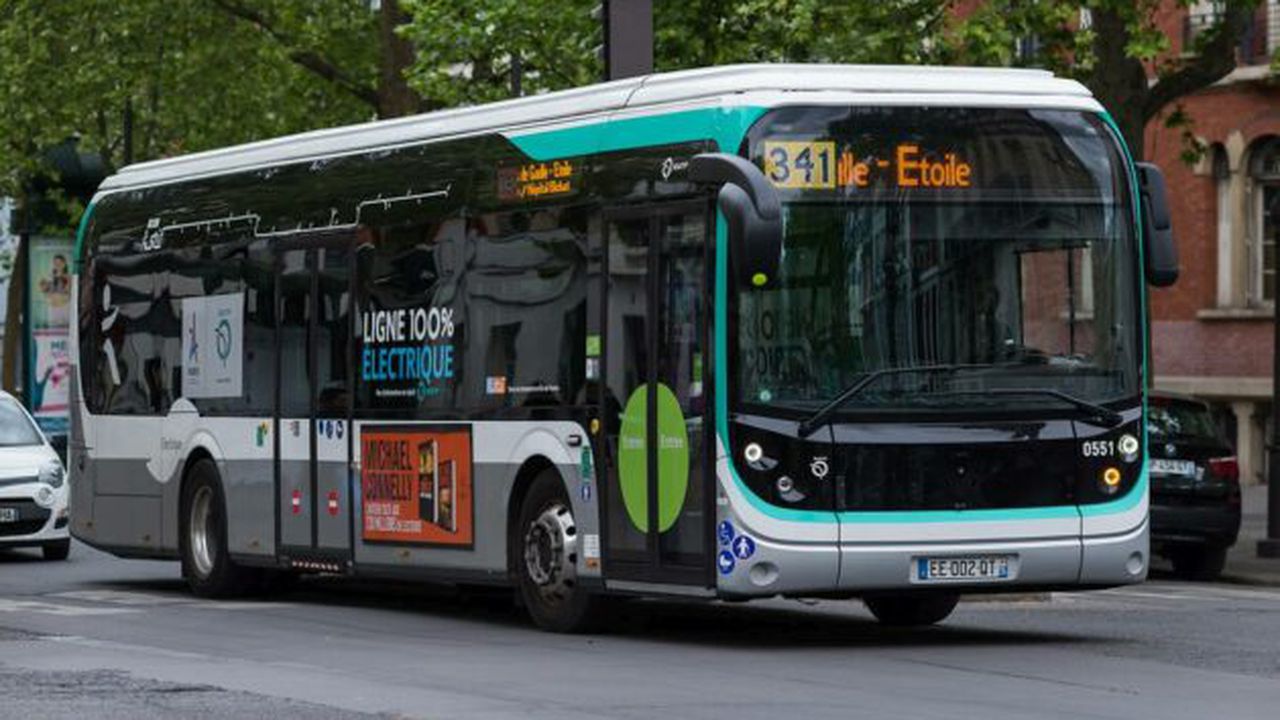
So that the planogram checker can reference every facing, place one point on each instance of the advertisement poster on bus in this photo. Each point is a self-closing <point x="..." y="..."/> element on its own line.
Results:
<point x="415" y="481"/>
<point x="49" y="311"/>
<point x="212" y="346"/>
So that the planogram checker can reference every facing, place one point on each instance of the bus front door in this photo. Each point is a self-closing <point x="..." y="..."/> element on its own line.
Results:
<point x="657" y="495"/>
<point x="314" y="332"/>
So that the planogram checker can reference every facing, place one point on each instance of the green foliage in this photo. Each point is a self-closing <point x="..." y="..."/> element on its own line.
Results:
<point x="697" y="33"/>
<point x="465" y="51"/>
<point x="142" y="79"/>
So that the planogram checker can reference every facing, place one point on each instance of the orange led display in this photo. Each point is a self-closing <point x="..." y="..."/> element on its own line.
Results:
<point x="792" y="164"/>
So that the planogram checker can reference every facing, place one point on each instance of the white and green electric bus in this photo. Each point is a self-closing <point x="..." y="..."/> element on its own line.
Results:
<point x="803" y="331"/>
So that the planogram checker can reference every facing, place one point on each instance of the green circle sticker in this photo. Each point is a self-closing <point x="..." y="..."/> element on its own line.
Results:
<point x="673" y="459"/>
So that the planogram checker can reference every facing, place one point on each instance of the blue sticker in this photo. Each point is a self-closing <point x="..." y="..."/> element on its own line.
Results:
<point x="725" y="562"/>
<point x="585" y="490"/>
<point x="724" y="531"/>
<point x="744" y="547"/>
<point x="328" y="429"/>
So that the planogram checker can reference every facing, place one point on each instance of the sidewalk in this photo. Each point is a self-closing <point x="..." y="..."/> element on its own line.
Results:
<point x="1243" y="564"/>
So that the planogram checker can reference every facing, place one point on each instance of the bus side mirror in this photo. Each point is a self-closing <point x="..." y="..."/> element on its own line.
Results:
<point x="751" y="210"/>
<point x="1157" y="227"/>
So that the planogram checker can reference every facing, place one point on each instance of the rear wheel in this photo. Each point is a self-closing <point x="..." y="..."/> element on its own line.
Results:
<point x="206" y="564"/>
<point x="57" y="550"/>
<point x="911" y="610"/>
<point x="545" y="547"/>
<point x="1202" y="564"/>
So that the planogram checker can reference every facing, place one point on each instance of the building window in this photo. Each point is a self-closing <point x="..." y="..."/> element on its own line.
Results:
<point x="1222" y="183"/>
<point x="1264" y="170"/>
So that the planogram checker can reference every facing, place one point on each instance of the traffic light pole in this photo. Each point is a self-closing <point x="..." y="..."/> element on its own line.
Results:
<point x="628" y="37"/>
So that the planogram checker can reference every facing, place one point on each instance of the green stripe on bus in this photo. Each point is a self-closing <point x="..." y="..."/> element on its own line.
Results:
<point x="724" y="125"/>
<point x="77" y="255"/>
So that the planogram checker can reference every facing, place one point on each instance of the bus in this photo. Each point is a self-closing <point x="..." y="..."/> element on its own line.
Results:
<point x="853" y="332"/>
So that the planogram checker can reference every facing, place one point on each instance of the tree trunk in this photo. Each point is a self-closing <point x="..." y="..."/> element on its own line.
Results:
<point x="1118" y="81"/>
<point x="395" y="97"/>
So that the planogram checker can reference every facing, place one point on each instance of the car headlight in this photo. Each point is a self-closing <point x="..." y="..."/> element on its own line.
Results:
<point x="52" y="474"/>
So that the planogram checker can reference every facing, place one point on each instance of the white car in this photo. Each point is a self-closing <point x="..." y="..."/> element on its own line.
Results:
<point x="33" y="486"/>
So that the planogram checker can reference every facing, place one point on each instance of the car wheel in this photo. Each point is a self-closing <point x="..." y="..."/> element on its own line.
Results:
<point x="58" y="550"/>
<point x="911" y="610"/>
<point x="206" y="564"/>
<point x="1202" y="564"/>
<point x="545" y="547"/>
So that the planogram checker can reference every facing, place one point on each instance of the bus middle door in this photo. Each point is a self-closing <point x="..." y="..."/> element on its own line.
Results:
<point x="314" y="341"/>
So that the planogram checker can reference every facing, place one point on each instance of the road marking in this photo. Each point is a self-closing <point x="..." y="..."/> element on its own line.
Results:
<point x="35" y="606"/>
<point x="119" y="597"/>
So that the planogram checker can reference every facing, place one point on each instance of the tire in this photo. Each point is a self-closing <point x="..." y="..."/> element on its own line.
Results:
<point x="544" y="552"/>
<point x="1201" y="564"/>
<point x="206" y="564"/>
<point x="911" y="610"/>
<point x="57" y="550"/>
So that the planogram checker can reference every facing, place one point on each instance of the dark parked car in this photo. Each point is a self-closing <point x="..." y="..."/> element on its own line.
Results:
<point x="1195" y="487"/>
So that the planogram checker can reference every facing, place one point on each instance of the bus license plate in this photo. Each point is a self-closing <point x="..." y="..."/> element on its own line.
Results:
<point x="973" y="567"/>
<point x="8" y="514"/>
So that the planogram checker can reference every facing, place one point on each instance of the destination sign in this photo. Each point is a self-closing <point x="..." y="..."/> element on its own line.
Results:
<point x="816" y="165"/>
<point x="537" y="180"/>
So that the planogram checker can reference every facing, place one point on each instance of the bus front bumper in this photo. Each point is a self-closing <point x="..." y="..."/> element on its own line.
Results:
<point x="855" y="568"/>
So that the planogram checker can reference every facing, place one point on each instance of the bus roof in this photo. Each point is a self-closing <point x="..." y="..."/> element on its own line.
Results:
<point x="594" y="102"/>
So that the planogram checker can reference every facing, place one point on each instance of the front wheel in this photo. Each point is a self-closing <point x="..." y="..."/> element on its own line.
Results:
<point x="911" y="610"/>
<point x="206" y="563"/>
<point x="57" y="550"/>
<point x="545" y="550"/>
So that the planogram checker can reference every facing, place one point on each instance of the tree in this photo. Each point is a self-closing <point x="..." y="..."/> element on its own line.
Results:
<point x="355" y="45"/>
<point x="697" y="33"/>
<point x="145" y="79"/>
<point x="474" y="52"/>
<point x="1115" y="47"/>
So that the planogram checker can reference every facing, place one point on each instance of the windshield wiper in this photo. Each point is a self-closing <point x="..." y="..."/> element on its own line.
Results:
<point x="1103" y="416"/>
<point x="820" y="416"/>
<point x="1094" y="413"/>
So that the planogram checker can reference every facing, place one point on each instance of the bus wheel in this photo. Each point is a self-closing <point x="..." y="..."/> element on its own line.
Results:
<point x="206" y="564"/>
<point x="546" y="547"/>
<point x="911" y="610"/>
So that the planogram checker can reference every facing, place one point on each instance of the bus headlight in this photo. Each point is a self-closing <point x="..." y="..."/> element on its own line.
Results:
<point x="52" y="474"/>
<point x="1128" y="447"/>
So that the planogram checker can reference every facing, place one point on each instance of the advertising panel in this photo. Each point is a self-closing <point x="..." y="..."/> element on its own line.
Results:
<point x="213" y="346"/>
<point x="415" y="481"/>
<point x="49" y="310"/>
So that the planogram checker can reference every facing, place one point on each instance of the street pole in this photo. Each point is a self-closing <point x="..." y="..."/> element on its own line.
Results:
<point x="628" y="37"/>
<point x="1269" y="547"/>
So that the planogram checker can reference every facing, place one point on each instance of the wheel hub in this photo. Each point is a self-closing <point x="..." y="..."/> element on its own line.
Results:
<point x="203" y="543"/>
<point x="551" y="553"/>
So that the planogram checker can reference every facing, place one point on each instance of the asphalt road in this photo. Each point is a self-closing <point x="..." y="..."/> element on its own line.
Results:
<point x="102" y="637"/>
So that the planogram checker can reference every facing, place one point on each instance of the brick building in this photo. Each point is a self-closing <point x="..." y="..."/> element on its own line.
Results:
<point x="1213" y="332"/>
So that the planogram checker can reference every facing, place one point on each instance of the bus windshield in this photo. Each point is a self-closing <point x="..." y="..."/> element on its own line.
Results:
<point x="968" y="250"/>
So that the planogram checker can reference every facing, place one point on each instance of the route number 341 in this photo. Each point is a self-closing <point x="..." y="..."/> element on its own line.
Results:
<point x="801" y="165"/>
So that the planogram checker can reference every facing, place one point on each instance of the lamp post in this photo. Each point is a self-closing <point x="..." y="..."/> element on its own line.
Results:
<point x="628" y="37"/>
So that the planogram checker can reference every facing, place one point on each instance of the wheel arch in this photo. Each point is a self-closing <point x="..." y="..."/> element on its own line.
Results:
<point x="531" y="468"/>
